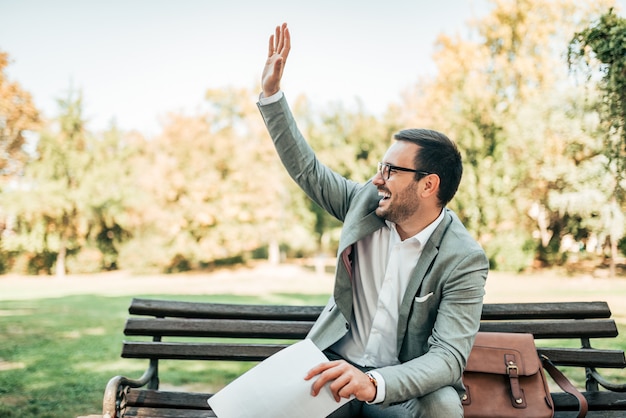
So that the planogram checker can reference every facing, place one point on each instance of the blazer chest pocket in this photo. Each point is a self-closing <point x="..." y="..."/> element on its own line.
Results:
<point x="422" y="313"/>
<point x="421" y="299"/>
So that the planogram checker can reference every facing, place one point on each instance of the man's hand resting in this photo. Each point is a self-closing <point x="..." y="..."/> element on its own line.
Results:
<point x="344" y="381"/>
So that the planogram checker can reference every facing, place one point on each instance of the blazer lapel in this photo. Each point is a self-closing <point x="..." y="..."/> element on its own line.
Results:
<point x="426" y="260"/>
<point x="351" y="233"/>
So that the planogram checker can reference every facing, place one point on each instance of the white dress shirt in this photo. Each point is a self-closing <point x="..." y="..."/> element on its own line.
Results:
<point x="383" y="267"/>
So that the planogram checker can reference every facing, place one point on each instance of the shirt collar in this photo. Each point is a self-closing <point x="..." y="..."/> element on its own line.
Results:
<point x="424" y="235"/>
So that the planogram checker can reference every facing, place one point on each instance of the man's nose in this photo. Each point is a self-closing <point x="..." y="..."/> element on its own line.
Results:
<point x="378" y="178"/>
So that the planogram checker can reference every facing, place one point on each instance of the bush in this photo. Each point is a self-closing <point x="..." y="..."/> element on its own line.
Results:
<point x="513" y="251"/>
<point x="86" y="261"/>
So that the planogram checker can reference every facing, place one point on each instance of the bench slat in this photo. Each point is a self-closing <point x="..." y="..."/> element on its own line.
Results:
<point x="167" y="399"/>
<point x="504" y="311"/>
<point x="546" y="310"/>
<point x="591" y="414"/>
<point x="162" y="308"/>
<point x="257" y="352"/>
<point x="218" y="328"/>
<point x="603" y="400"/>
<point x="167" y="413"/>
<point x="584" y="357"/>
<point x="149" y="403"/>
<point x="565" y="328"/>
<point x="199" y="351"/>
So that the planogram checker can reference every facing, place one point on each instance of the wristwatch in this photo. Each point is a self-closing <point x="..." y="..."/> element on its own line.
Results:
<point x="374" y="382"/>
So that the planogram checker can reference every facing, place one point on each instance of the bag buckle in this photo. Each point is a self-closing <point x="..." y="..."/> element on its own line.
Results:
<point x="511" y="369"/>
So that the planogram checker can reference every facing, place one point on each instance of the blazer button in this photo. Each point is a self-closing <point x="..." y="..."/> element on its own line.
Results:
<point x="347" y="325"/>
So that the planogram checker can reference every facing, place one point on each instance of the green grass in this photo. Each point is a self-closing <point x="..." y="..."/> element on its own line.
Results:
<point x="56" y="355"/>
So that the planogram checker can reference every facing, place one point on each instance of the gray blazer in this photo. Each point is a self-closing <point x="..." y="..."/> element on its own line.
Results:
<point x="441" y="309"/>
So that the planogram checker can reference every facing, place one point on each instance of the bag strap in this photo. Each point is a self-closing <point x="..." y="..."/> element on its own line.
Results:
<point x="566" y="385"/>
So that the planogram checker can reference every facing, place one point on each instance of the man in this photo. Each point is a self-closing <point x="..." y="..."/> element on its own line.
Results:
<point x="409" y="283"/>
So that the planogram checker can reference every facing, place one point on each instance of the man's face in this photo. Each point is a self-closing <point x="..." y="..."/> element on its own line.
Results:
<point x="399" y="193"/>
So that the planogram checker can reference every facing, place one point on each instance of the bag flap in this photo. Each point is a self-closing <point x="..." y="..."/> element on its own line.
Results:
<point x="490" y="348"/>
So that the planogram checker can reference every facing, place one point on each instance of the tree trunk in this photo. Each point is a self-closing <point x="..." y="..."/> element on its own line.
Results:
<point x="60" y="264"/>
<point x="274" y="253"/>
<point x="613" y="242"/>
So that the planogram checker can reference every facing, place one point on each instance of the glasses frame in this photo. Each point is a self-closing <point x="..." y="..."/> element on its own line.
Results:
<point x="386" y="167"/>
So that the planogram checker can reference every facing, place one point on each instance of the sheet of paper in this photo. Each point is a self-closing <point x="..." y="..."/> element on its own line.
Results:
<point x="276" y="388"/>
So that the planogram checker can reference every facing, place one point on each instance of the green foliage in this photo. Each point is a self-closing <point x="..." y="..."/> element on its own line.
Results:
<point x="622" y="246"/>
<point x="18" y="116"/>
<point x="351" y="142"/>
<point x="529" y="143"/>
<point x="604" y="43"/>
<point x="541" y="163"/>
<point x="70" y="195"/>
<point x="511" y="251"/>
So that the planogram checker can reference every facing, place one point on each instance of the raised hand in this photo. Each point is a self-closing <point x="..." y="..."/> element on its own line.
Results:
<point x="278" y="51"/>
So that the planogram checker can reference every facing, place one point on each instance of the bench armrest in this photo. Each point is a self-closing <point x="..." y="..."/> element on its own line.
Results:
<point x="615" y="387"/>
<point x="116" y="389"/>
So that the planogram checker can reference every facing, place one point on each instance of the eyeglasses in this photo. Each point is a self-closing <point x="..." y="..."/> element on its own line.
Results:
<point x="385" y="170"/>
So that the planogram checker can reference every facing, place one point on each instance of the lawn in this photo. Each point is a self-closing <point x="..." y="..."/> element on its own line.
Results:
<point x="57" y="352"/>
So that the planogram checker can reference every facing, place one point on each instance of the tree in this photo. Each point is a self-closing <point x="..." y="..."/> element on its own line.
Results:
<point x="18" y="115"/>
<point x="602" y="48"/>
<point x="49" y="202"/>
<point x="505" y="97"/>
<point x="604" y="43"/>
<point x="351" y="142"/>
<point x="215" y="190"/>
<point x="112" y="199"/>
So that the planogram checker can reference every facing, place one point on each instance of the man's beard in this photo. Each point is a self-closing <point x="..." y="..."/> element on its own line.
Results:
<point x="400" y="206"/>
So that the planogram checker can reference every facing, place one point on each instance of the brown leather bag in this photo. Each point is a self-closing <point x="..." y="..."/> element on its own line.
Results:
<point x="504" y="378"/>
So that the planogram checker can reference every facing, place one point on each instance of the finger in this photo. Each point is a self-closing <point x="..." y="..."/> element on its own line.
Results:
<point x="341" y="388"/>
<point x="318" y="385"/>
<point x="277" y="38"/>
<point x="270" y="48"/>
<point x="286" y="44"/>
<point x="323" y="378"/>
<point x="321" y="368"/>
<point x="345" y="392"/>
<point x="329" y="373"/>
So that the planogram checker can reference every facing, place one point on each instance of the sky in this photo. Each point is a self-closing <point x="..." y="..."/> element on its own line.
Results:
<point x="135" y="61"/>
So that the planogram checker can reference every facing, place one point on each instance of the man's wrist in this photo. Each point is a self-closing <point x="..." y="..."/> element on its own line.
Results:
<point x="380" y="386"/>
<point x="265" y="100"/>
<point x="375" y="384"/>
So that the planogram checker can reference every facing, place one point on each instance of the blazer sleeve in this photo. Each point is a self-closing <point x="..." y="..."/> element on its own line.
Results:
<point x="327" y="188"/>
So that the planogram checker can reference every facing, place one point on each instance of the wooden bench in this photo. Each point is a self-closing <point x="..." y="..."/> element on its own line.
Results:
<point x="225" y="332"/>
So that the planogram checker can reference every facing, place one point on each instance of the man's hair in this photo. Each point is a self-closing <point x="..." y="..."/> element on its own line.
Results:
<point x="437" y="155"/>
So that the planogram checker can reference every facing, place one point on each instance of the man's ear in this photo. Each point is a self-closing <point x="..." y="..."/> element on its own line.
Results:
<point x="430" y="185"/>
